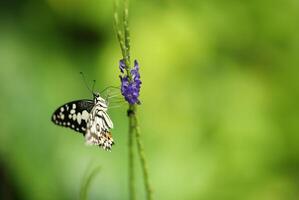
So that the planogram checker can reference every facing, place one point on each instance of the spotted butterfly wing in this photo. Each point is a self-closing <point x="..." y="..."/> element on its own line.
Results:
<point x="87" y="117"/>
<point x="73" y="115"/>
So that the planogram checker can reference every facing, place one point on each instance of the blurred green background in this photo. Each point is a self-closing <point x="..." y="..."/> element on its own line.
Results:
<point x="219" y="115"/>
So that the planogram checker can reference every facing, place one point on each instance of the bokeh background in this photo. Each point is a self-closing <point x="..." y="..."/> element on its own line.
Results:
<point x="219" y="115"/>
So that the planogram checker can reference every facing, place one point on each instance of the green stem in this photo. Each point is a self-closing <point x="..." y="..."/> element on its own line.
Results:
<point x="118" y="30"/>
<point x="86" y="183"/>
<point x="134" y="119"/>
<point x="126" y="57"/>
<point x="123" y="36"/>
<point x="127" y="30"/>
<point x="132" y="192"/>
<point x="124" y="42"/>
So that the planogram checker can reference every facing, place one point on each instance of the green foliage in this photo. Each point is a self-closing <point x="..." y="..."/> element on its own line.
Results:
<point x="87" y="182"/>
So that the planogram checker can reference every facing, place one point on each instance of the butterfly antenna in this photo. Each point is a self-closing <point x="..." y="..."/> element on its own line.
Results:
<point x="84" y="80"/>
<point x="109" y="88"/>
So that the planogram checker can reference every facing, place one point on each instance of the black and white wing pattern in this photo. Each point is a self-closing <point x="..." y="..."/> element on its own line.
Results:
<point x="88" y="117"/>
<point x="98" y="126"/>
<point x="74" y="115"/>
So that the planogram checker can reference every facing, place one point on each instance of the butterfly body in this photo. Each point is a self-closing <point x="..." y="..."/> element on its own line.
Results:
<point x="88" y="117"/>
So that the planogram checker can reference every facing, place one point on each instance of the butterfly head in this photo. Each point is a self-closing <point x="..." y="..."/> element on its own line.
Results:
<point x="98" y="100"/>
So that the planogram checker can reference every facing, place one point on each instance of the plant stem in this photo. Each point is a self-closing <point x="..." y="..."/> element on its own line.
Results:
<point x="134" y="119"/>
<point x="126" y="57"/>
<point x="123" y="35"/>
<point x="124" y="42"/>
<point x="127" y="31"/>
<point x="86" y="183"/>
<point x="132" y="193"/>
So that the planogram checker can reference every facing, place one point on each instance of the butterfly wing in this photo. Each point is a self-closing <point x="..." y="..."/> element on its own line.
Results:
<point x="74" y="115"/>
<point x="98" y="129"/>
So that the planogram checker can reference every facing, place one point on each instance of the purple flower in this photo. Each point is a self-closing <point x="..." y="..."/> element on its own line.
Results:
<point x="122" y="66"/>
<point x="130" y="88"/>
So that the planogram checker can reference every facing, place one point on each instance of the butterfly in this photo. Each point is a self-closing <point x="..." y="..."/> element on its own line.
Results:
<point x="88" y="117"/>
